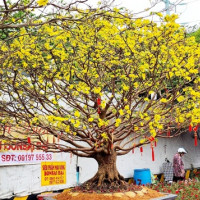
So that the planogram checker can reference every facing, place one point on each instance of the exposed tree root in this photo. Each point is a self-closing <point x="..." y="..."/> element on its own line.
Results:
<point x="105" y="183"/>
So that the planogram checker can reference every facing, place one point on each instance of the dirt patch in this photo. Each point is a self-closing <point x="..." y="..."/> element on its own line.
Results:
<point x="144" y="194"/>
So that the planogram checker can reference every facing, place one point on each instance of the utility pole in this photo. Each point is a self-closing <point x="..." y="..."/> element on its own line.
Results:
<point x="167" y="3"/>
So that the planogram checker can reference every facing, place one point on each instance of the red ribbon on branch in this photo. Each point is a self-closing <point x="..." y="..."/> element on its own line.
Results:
<point x="98" y="103"/>
<point x="151" y="138"/>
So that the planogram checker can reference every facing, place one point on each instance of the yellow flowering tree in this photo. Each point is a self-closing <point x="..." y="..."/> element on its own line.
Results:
<point x="101" y="87"/>
<point x="26" y="13"/>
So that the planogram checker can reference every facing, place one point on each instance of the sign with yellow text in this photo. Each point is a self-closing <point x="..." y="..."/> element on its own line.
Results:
<point x="53" y="173"/>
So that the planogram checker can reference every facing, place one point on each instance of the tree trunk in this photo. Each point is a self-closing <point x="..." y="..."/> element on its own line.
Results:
<point x="107" y="172"/>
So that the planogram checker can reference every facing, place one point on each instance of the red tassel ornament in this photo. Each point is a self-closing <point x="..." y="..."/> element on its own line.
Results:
<point x="168" y="133"/>
<point x="29" y="140"/>
<point x="98" y="101"/>
<point x="195" y="128"/>
<point x="141" y="150"/>
<point x="153" y="156"/>
<point x="155" y="143"/>
<point x="190" y="127"/>
<point x="99" y="111"/>
<point x="133" y="149"/>
<point x="195" y="139"/>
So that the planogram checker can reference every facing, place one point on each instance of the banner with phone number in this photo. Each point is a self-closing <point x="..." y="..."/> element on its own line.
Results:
<point x="11" y="158"/>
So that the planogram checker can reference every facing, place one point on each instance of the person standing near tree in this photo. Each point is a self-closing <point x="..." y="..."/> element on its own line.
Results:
<point x="178" y="165"/>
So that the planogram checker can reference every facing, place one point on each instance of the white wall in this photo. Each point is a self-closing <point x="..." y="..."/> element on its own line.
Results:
<point x="22" y="180"/>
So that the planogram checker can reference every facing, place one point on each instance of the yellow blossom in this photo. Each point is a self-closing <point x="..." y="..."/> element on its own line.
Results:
<point x="77" y="113"/>
<point x="121" y="112"/>
<point x="180" y="98"/>
<point x="90" y="119"/>
<point x="42" y="2"/>
<point x="97" y="90"/>
<point x="105" y="136"/>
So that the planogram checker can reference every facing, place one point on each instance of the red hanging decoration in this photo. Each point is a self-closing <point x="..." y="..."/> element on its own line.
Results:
<point x="195" y="128"/>
<point x="141" y="150"/>
<point x="133" y="149"/>
<point x="168" y="133"/>
<point x="153" y="156"/>
<point x="151" y="138"/>
<point x="29" y="140"/>
<point x="190" y="127"/>
<point x="99" y="111"/>
<point x="195" y="139"/>
<point x="155" y="143"/>
<point x="98" y="101"/>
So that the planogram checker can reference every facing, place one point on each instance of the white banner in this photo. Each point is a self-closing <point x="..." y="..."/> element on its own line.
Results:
<point x="24" y="157"/>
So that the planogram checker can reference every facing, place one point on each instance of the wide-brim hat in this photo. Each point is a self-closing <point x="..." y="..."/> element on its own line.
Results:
<point x="182" y="150"/>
